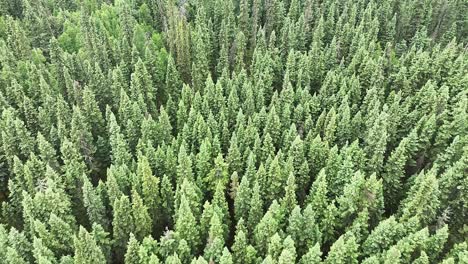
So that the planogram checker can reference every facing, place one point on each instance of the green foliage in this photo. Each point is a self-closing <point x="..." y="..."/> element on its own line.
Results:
<point x="186" y="225"/>
<point x="233" y="132"/>
<point x="122" y="223"/>
<point x="344" y="250"/>
<point x="86" y="248"/>
<point x="312" y="256"/>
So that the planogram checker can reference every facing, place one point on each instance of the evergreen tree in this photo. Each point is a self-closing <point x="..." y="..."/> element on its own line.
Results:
<point x="318" y="199"/>
<point x="376" y="142"/>
<point x="239" y="247"/>
<point x="313" y="233"/>
<point x="87" y="249"/>
<point x="312" y="256"/>
<point x="218" y="174"/>
<point x="131" y="256"/>
<point x="242" y="201"/>
<point x="150" y="189"/>
<point x="344" y="250"/>
<point x="122" y="224"/>
<point x="215" y="243"/>
<point x="226" y="258"/>
<point x="119" y="146"/>
<point x="267" y="226"/>
<point x="141" y="216"/>
<point x="394" y="172"/>
<point x="423" y="198"/>
<point x="94" y="204"/>
<point x="256" y="207"/>
<point x="383" y="235"/>
<point x="275" y="246"/>
<point x="361" y="194"/>
<point x="289" y="200"/>
<point x="186" y="225"/>
<point x="288" y="254"/>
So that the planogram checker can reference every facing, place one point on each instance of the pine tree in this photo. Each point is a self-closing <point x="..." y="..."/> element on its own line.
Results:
<point x="226" y="258"/>
<point x="16" y="138"/>
<point x="167" y="200"/>
<point x="318" y="195"/>
<point x="392" y="256"/>
<point x="221" y="206"/>
<point x="411" y="243"/>
<point x="273" y="126"/>
<point x="215" y="243"/>
<point x="394" y="172"/>
<point x="382" y="237"/>
<point x="50" y="200"/>
<point x="41" y="253"/>
<point x="183" y="250"/>
<point x="344" y="250"/>
<point x="94" y="204"/>
<point x="317" y="153"/>
<point x="86" y="249"/>
<point x="18" y="246"/>
<point x="436" y="243"/>
<point x="199" y="260"/>
<point x="295" y="227"/>
<point x="173" y="259"/>
<point x="422" y="258"/>
<point x="122" y="224"/>
<point x="361" y="194"/>
<point x="297" y="153"/>
<point x="192" y="194"/>
<point x="54" y="234"/>
<point x="251" y="255"/>
<point x="242" y="201"/>
<point x="164" y="126"/>
<point x="131" y="256"/>
<point x="266" y="228"/>
<point x="150" y="189"/>
<point x="12" y="256"/>
<point x="200" y="64"/>
<point x="274" y="178"/>
<point x="312" y="256"/>
<point x="423" y="199"/>
<point x="376" y="142"/>
<point x="186" y="225"/>
<point x="359" y="226"/>
<point x="275" y="246"/>
<point x="3" y="241"/>
<point x="256" y="207"/>
<point x="147" y="250"/>
<point x="289" y="200"/>
<point x="120" y="149"/>
<point x="234" y="158"/>
<point x="184" y="165"/>
<point x="288" y="254"/>
<point x="313" y="233"/>
<point x="330" y="129"/>
<point x="141" y="216"/>
<point x="239" y="247"/>
<point x="47" y="151"/>
<point x="218" y="174"/>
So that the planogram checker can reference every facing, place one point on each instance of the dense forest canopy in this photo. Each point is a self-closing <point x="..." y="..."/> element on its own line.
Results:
<point x="233" y="132"/>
